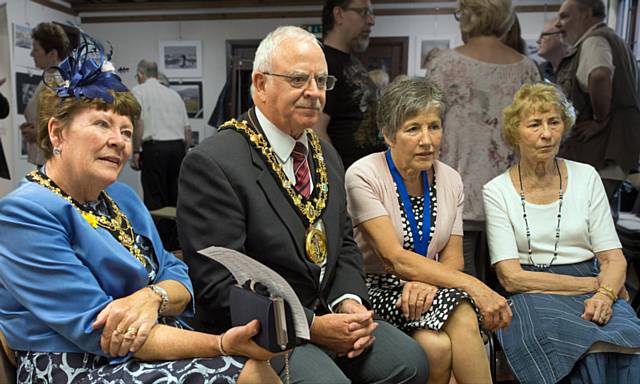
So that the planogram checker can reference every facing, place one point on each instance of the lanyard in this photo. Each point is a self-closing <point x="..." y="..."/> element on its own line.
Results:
<point x="420" y="244"/>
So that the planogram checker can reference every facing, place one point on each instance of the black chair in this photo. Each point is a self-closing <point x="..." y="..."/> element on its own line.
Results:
<point x="628" y="228"/>
<point x="7" y="362"/>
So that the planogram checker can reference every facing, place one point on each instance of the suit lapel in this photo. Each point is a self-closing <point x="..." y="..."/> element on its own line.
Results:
<point x="332" y="226"/>
<point x="280" y="202"/>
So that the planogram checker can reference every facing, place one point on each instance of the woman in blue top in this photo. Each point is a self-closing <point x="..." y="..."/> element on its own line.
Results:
<point x="87" y="292"/>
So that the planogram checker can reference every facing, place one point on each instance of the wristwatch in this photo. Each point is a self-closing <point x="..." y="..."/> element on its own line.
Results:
<point x="163" y="295"/>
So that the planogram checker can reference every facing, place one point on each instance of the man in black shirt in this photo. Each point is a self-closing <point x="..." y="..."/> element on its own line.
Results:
<point x="349" y="118"/>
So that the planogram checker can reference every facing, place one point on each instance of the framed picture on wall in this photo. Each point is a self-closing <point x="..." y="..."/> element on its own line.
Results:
<point x="26" y="85"/>
<point x="180" y="58"/>
<point x="191" y="93"/>
<point x="424" y="46"/>
<point x="22" y="45"/>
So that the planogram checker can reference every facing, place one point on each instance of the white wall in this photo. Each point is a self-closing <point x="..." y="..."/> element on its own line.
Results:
<point x="133" y="41"/>
<point x="23" y="12"/>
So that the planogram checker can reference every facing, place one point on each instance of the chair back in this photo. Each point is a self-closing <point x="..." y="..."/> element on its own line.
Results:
<point x="7" y="362"/>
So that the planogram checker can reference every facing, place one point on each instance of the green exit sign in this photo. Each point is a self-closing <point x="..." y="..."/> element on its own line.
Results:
<point x="312" y="28"/>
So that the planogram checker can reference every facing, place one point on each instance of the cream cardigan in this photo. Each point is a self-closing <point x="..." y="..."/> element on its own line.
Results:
<point x="371" y="193"/>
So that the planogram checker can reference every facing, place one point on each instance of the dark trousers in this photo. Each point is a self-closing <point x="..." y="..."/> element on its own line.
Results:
<point x="394" y="358"/>
<point x="161" y="162"/>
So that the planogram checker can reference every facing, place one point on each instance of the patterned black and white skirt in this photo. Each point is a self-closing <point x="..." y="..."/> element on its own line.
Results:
<point x="385" y="289"/>
<point x="86" y="368"/>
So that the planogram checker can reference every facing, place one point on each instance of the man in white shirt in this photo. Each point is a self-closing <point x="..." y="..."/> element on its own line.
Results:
<point x="607" y="130"/>
<point x="162" y="135"/>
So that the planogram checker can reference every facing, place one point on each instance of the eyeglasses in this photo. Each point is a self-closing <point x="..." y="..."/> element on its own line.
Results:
<point x="299" y="80"/>
<point x="457" y="14"/>
<point x="362" y="11"/>
<point x="546" y="34"/>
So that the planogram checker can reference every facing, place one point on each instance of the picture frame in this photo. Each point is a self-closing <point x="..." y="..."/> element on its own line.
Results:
<point x="26" y="84"/>
<point x="424" y="45"/>
<point x="191" y="94"/>
<point x="180" y="58"/>
<point x="22" y="45"/>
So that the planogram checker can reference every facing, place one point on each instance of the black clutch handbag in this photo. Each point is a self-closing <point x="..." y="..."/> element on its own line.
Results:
<point x="253" y="301"/>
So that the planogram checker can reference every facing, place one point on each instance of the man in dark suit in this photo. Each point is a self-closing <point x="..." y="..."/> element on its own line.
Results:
<point x="266" y="186"/>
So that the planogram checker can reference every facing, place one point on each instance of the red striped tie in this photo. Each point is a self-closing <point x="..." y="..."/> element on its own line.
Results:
<point x="301" y="169"/>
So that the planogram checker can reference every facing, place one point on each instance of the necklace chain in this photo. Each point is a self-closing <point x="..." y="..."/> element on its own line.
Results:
<point x="118" y="226"/>
<point x="311" y="208"/>
<point x="526" y="222"/>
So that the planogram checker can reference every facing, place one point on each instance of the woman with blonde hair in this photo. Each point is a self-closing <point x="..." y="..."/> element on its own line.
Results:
<point x="556" y="251"/>
<point x="479" y="78"/>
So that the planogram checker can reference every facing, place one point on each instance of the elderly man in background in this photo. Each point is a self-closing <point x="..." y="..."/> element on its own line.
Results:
<point x="349" y="118"/>
<point x="49" y="44"/>
<point x="268" y="187"/>
<point x="552" y="48"/>
<point x="165" y="133"/>
<point x="606" y="134"/>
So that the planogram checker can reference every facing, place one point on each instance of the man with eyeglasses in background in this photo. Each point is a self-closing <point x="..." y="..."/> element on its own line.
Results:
<point x="266" y="186"/>
<point x="552" y="48"/>
<point x="349" y="118"/>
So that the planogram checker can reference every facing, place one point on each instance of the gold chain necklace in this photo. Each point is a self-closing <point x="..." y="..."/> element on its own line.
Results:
<point x="311" y="209"/>
<point x="118" y="226"/>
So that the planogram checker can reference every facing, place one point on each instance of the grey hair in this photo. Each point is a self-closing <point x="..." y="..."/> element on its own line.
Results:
<point x="148" y="67"/>
<point x="403" y="99"/>
<point x="268" y="46"/>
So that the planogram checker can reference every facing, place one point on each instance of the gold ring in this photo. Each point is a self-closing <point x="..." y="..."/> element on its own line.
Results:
<point x="420" y="298"/>
<point x="131" y="333"/>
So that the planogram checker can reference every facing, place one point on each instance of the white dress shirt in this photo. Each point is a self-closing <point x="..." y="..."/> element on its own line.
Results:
<point x="282" y="145"/>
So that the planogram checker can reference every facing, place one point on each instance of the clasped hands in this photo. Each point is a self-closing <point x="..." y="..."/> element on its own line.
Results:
<point x="347" y="333"/>
<point x="126" y="322"/>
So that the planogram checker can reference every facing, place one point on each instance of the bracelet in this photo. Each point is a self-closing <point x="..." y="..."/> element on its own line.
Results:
<point x="164" y="297"/>
<point x="220" y="348"/>
<point x="606" y="290"/>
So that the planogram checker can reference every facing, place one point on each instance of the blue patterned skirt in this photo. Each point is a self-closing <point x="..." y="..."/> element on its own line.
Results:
<point x="547" y="340"/>
<point x="85" y="368"/>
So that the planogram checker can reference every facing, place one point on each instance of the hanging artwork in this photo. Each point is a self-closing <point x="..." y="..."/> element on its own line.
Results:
<point x="22" y="45"/>
<point x="180" y="58"/>
<point x="424" y="46"/>
<point x="191" y="94"/>
<point x="26" y="85"/>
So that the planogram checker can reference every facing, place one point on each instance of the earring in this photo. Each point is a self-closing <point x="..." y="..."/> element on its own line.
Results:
<point x="57" y="151"/>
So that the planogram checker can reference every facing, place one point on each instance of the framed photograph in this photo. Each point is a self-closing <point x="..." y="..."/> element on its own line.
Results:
<point x="180" y="58"/>
<point x="424" y="46"/>
<point x="191" y="93"/>
<point x="26" y="85"/>
<point x="22" y="45"/>
<point x="195" y="138"/>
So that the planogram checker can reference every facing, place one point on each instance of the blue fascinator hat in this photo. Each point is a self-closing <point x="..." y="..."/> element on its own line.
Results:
<point x="87" y="72"/>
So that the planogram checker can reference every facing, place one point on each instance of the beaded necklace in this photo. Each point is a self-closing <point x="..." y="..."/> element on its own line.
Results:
<point x="118" y="225"/>
<point x="526" y="222"/>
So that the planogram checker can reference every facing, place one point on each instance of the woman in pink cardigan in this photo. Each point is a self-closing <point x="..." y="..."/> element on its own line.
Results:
<point x="406" y="208"/>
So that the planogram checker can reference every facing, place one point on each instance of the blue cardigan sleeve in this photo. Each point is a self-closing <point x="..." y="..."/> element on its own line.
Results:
<point x="170" y="267"/>
<point x="39" y="268"/>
